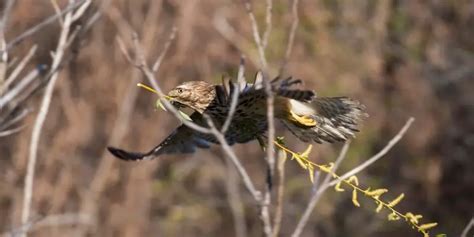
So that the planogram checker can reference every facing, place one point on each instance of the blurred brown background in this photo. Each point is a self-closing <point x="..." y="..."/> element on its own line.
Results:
<point x="400" y="58"/>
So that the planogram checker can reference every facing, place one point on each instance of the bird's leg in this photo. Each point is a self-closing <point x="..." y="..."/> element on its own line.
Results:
<point x="261" y="142"/>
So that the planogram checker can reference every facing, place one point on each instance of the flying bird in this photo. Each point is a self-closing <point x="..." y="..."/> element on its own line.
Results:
<point x="308" y="117"/>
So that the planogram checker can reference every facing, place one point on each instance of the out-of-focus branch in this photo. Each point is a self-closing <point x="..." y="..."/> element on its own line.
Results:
<point x="264" y="212"/>
<point x="125" y="110"/>
<point x="468" y="228"/>
<point x="43" y="111"/>
<point x="14" y="119"/>
<point x="280" y="191"/>
<point x="235" y="200"/>
<point x="48" y="221"/>
<point x="318" y="191"/>
<point x="268" y="24"/>
<point x="9" y="132"/>
<point x="160" y="58"/>
<point x="231" y="155"/>
<point x="291" y="35"/>
<point x="31" y="31"/>
<point x="14" y="74"/>
<point x="229" y="33"/>
<point x="256" y="35"/>
<point x="3" y="44"/>
<point x="235" y="95"/>
<point x="15" y="91"/>
<point x="326" y="183"/>
<point x="377" y="156"/>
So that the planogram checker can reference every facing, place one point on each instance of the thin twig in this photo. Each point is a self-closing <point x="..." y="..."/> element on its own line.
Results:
<point x="264" y="212"/>
<point x="229" y="33"/>
<point x="291" y="35"/>
<point x="11" y="131"/>
<point x="256" y="35"/>
<point x="231" y="155"/>
<point x="15" y="91"/>
<point x="326" y="184"/>
<point x="280" y="191"/>
<point x="38" y="125"/>
<point x="42" y="24"/>
<point x="3" y="52"/>
<point x="377" y="156"/>
<point x="235" y="95"/>
<point x="19" y="116"/>
<point x="19" y="68"/>
<point x="319" y="191"/>
<point x="467" y="228"/>
<point x="160" y="58"/>
<point x="52" y="220"/>
<point x="235" y="200"/>
<point x="268" y="24"/>
<point x="58" y="12"/>
<point x="142" y="65"/>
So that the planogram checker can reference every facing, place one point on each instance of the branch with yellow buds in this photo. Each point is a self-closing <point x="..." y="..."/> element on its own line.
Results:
<point x="353" y="182"/>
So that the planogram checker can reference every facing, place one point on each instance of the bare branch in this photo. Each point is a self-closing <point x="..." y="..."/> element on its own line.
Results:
<point x="318" y="193"/>
<point x="160" y="58"/>
<point x="467" y="228"/>
<point x="291" y="35"/>
<point x="44" y="107"/>
<point x="142" y="65"/>
<point x="256" y="35"/>
<point x="268" y="24"/>
<point x="10" y="131"/>
<point x="280" y="191"/>
<point x="377" y="156"/>
<point x="326" y="184"/>
<point x="3" y="45"/>
<point x="264" y="213"/>
<point x="235" y="200"/>
<point x="235" y="95"/>
<point x="15" y="91"/>
<point x="31" y="31"/>
<point x="5" y="15"/>
<point x="231" y="155"/>
<point x="19" y="68"/>
<point x="52" y="220"/>
<point x="15" y="119"/>
<point x="222" y="26"/>
<point x="58" y="12"/>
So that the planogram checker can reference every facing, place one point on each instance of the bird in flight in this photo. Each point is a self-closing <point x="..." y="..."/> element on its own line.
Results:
<point x="308" y="117"/>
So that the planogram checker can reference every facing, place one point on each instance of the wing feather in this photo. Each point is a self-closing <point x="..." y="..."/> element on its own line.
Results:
<point x="183" y="140"/>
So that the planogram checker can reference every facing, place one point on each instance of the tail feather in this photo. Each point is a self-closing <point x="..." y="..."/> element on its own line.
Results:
<point x="336" y="120"/>
<point x="130" y="156"/>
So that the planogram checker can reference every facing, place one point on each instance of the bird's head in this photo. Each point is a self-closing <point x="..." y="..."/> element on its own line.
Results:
<point x="194" y="94"/>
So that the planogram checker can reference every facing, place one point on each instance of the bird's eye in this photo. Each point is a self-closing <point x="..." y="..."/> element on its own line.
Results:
<point x="180" y="90"/>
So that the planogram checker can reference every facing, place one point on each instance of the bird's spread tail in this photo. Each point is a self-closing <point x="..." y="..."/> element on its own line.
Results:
<point x="325" y="119"/>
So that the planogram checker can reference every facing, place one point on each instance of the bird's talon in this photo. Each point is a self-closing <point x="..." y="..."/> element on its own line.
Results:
<point x="303" y="120"/>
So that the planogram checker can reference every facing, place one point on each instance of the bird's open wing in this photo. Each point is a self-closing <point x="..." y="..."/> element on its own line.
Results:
<point x="283" y="87"/>
<point x="183" y="140"/>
